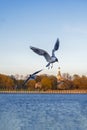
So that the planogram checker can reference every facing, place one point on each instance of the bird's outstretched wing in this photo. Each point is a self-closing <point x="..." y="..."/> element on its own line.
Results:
<point x="36" y="72"/>
<point x="32" y="76"/>
<point x="56" y="47"/>
<point x="26" y="80"/>
<point x="41" y="52"/>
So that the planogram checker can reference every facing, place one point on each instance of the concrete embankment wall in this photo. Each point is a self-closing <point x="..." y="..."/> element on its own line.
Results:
<point x="50" y="91"/>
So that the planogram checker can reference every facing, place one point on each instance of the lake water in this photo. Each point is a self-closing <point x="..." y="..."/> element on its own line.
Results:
<point x="43" y="112"/>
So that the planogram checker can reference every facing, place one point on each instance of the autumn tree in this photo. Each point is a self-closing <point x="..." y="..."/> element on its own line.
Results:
<point x="76" y="81"/>
<point x="46" y="83"/>
<point x="6" y="82"/>
<point x="53" y="80"/>
<point x="38" y="78"/>
<point x="31" y="85"/>
<point x="19" y="84"/>
<point x="83" y="82"/>
<point x="80" y="82"/>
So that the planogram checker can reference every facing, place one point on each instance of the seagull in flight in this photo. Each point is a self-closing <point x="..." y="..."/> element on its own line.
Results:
<point x="31" y="76"/>
<point x="49" y="59"/>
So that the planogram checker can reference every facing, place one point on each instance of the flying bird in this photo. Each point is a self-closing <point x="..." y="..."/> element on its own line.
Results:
<point x="31" y="76"/>
<point x="49" y="59"/>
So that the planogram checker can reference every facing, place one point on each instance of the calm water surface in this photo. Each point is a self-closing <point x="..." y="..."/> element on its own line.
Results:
<point x="43" y="112"/>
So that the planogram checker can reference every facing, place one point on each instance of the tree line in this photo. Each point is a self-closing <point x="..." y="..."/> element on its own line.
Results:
<point x="43" y="83"/>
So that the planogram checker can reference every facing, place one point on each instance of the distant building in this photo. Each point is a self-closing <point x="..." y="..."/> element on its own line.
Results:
<point x="59" y="77"/>
<point x="60" y="80"/>
<point x="38" y="85"/>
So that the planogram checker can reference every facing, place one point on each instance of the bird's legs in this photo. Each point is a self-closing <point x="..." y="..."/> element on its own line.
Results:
<point x="52" y="66"/>
<point x="48" y="65"/>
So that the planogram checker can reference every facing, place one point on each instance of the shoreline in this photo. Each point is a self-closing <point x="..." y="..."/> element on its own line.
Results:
<point x="44" y="92"/>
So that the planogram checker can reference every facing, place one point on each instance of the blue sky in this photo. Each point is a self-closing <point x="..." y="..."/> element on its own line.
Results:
<point x="39" y="23"/>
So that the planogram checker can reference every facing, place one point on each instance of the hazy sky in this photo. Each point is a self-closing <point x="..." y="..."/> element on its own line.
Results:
<point x="39" y="23"/>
